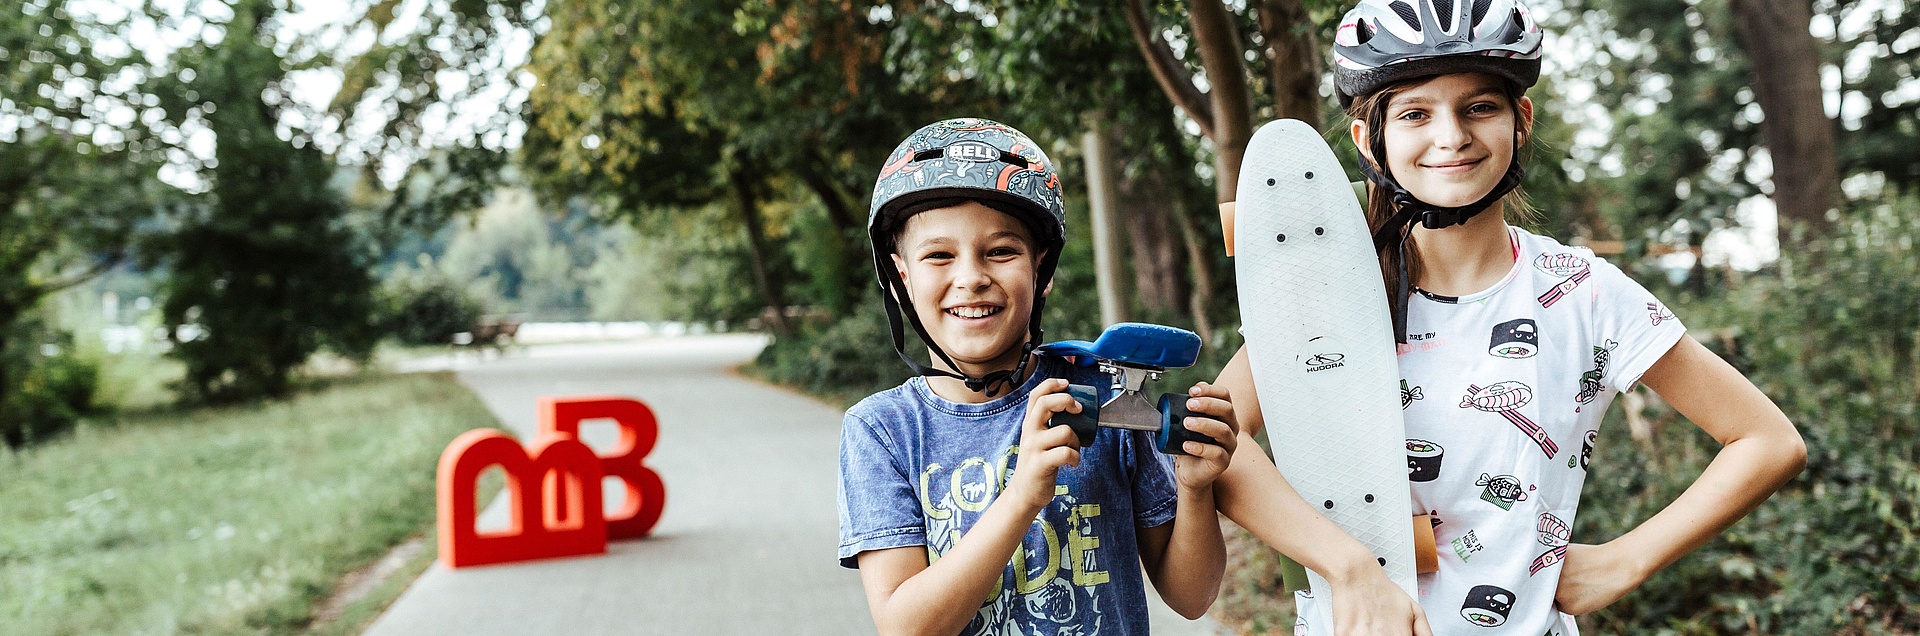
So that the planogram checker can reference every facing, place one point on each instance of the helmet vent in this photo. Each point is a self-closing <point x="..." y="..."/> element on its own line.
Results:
<point x="1480" y="11"/>
<point x="1364" y="31"/>
<point x="1406" y="14"/>
<point x="1519" y="25"/>
<point x="930" y="153"/>
<point x="1443" y="9"/>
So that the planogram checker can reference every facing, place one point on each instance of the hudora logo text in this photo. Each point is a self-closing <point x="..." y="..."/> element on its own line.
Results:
<point x="1324" y="361"/>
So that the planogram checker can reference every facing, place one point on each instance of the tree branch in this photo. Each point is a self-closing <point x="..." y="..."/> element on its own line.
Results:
<point x="1167" y="69"/>
<point x="97" y="269"/>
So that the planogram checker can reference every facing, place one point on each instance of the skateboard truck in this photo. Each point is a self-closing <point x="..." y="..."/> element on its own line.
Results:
<point x="1132" y="354"/>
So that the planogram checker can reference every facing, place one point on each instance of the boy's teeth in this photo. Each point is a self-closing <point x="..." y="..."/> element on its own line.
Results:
<point x="973" y="312"/>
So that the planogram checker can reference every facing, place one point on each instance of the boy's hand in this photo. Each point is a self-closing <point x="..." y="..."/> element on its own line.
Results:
<point x="1044" y="450"/>
<point x="1205" y="462"/>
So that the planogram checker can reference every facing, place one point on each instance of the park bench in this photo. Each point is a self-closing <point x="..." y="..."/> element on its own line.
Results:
<point x="495" y="333"/>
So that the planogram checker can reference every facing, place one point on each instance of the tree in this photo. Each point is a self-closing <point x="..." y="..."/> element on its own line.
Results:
<point x="76" y="176"/>
<point x="1787" y="87"/>
<point x="262" y="272"/>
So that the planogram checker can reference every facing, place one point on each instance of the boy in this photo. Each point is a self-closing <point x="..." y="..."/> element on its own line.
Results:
<point x="962" y="510"/>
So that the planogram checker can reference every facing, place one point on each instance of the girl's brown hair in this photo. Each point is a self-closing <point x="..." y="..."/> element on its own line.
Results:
<point x="1372" y="110"/>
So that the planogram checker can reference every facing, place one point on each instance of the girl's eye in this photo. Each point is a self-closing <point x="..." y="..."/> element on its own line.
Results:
<point x="1483" y="108"/>
<point x="1413" y="115"/>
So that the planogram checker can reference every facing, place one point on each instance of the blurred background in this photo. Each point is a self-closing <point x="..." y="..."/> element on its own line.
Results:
<point x="214" y="211"/>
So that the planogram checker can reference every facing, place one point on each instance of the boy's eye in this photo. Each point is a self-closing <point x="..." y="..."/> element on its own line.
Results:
<point x="1483" y="108"/>
<point x="936" y="256"/>
<point x="1003" y="251"/>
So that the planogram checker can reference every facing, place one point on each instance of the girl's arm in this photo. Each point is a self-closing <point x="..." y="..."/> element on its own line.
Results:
<point x="908" y="596"/>
<point x="1761" y="451"/>
<point x="1254" y="494"/>
<point x="1187" y="558"/>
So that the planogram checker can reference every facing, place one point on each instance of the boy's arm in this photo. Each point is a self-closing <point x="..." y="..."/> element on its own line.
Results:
<point x="1761" y="452"/>
<point x="1186" y="558"/>
<point x="908" y="596"/>
<point x="1254" y="494"/>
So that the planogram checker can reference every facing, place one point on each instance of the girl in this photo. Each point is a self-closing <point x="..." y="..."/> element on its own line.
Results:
<point x="1512" y="346"/>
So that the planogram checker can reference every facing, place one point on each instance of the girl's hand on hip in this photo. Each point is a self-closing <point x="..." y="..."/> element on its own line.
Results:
<point x="1594" y="576"/>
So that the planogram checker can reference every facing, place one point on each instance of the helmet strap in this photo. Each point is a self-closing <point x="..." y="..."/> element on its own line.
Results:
<point x="1409" y="210"/>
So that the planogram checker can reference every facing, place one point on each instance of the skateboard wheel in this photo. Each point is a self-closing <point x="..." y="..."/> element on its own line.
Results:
<point x="1173" y="427"/>
<point x="1087" y="421"/>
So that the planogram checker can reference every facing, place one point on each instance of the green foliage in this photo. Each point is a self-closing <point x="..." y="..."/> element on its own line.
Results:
<point x="48" y="387"/>
<point x="263" y="264"/>
<point x="846" y="359"/>
<point x="426" y="310"/>
<point x="1833" y="338"/>
<point x="221" y="520"/>
<point x="518" y="259"/>
<point x="74" y="185"/>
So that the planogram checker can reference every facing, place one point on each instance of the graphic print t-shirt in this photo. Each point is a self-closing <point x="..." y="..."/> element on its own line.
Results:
<point x="1503" y="393"/>
<point x="919" y="470"/>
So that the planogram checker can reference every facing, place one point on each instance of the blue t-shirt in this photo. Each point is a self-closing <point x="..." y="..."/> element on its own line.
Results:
<point x="919" y="470"/>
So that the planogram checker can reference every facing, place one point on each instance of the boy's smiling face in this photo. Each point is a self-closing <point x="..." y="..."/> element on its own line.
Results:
<point x="970" y="271"/>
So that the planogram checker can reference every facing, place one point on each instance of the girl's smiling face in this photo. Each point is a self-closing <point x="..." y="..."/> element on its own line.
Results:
<point x="1450" y="138"/>
<point x="970" y="271"/>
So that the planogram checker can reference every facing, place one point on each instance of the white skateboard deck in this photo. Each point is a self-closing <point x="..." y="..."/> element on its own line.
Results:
<point x="1321" y="344"/>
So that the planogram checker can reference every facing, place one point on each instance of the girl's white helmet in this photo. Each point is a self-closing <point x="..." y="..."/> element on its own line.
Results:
<point x="1383" y="41"/>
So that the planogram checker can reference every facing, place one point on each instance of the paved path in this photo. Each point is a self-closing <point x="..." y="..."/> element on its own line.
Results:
<point x="746" y="544"/>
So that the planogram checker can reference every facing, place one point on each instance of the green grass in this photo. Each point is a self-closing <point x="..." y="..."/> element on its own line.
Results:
<point x="225" y="520"/>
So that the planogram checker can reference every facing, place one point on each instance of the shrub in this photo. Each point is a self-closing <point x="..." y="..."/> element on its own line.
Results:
<point x="1832" y="338"/>
<point x="426" y="310"/>
<point x="848" y="359"/>
<point x="48" y="388"/>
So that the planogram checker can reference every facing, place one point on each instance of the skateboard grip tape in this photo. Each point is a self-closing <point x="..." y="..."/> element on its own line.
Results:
<point x="1087" y="421"/>
<point x="1173" y="426"/>
<point x="1426" y="557"/>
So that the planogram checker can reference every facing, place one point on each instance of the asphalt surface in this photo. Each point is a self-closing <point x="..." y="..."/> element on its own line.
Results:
<point x="746" y="543"/>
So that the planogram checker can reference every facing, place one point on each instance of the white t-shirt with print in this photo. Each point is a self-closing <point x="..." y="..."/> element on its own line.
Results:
<point x="1503" y="392"/>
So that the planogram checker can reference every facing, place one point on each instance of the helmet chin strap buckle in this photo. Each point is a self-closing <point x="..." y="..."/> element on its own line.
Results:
<point x="1443" y="218"/>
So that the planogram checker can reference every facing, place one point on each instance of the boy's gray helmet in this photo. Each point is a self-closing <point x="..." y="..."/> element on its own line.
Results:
<point x="965" y="159"/>
<point x="1383" y="41"/>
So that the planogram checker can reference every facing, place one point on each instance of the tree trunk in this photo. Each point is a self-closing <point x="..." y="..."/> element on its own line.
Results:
<point x="1097" y="146"/>
<point x="1201" y="266"/>
<point x="1151" y="237"/>
<point x="1293" y="60"/>
<point x="1785" y="61"/>
<point x="1220" y="51"/>
<point x="776" y="313"/>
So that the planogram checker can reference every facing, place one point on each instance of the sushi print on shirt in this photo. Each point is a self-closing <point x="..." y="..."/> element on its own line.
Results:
<point x="1503" y="392"/>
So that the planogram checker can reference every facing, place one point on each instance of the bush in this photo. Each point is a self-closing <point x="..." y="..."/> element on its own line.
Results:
<point x="45" y="395"/>
<point x="1832" y="338"/>
<point x="425" y="311"/>
<point x="847" y="359"/>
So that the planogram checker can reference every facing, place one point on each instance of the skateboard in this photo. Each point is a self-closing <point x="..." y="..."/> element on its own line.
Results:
<point x="1133" y="354"/>
<point x="1320" y="342"/>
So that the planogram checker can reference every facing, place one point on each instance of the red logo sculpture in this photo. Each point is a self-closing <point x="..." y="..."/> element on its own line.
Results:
<point x="555" y="485"/>
<point x="646" y="495"/>
<point x="541" y="526"/>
